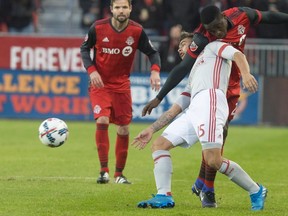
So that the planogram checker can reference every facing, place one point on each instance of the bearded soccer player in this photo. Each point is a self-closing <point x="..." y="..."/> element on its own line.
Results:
<point x="114" y="42"/>
<point x="230" y="26"/>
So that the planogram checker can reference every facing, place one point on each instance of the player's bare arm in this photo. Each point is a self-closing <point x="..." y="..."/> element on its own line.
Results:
<point x="145" y="136"/>
<point x="178" y="73"/>
<point x="155" y="80"/>
<point x="248" y="80"/>
<point x="184" y="66"/>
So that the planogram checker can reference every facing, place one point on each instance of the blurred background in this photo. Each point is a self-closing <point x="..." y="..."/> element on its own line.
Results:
<point x="41" y="73"/>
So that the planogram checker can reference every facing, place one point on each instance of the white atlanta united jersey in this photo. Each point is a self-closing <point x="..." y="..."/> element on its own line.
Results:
<point x="212" y="68"/>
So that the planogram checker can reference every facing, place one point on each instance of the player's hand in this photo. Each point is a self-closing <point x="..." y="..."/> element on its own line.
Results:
<point x="155" y="80"/>
<point x="143" y="138"/>
<point x="249" y="82"/>
<point x="96" y="80"/>
<point x="150" y="106"/>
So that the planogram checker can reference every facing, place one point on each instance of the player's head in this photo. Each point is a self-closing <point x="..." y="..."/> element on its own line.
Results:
<point x="121" y="9"/>
<point x="214" y="21"/>
<point x="185" y="41"/>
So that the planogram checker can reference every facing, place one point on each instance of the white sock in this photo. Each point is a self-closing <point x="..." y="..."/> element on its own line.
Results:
<point x="162" y="171"/>
<point x="236" y="174"/>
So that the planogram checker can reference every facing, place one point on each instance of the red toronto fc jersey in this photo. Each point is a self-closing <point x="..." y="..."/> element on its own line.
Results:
<point x="114" y="53"/>
<point x="239" y="22"/>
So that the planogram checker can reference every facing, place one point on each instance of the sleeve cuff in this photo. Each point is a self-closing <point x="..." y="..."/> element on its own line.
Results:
<point x="155" y="68"/>
<point x="91" y="69"/>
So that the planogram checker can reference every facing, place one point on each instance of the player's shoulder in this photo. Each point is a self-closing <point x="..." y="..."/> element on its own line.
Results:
<point x="102" y="22"/>
<point x="217" y="45"/>
<point x="234" y="12"/>
<point x="241" y="14"/>
<point x="135" y="24"/>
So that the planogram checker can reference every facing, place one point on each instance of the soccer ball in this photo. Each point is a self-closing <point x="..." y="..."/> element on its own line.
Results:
<point x="53" y="132"/>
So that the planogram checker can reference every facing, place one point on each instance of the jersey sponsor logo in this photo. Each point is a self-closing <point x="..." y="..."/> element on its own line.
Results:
<point x="127" y="51"/>
<point x="113" y="51"/>
<point x="130" y="40"/>
<point x="97" y="109"/>
<point x="241" y="29"/>
<point x="105" y="39"/>
<point x="193" y="46"/>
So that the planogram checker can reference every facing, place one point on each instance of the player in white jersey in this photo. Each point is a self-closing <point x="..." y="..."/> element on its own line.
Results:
<point x="204" y="121"/>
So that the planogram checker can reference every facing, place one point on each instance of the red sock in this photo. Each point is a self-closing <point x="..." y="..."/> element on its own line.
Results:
<point x="210" y="175"/>
<point x="202" y="169"/>
<point x="121" y="151"/>
<point x="102" y="143"/>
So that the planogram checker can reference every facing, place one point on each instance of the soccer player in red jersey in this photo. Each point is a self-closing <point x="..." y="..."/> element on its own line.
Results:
<point x="231" y="26"/>
<point x="114" y="42"/>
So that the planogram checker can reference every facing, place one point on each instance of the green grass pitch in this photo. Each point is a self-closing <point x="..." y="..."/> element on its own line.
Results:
<point x="36" y="180"/>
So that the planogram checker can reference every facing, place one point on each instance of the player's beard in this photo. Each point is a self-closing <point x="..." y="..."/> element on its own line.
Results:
<point x="121" y="19"/>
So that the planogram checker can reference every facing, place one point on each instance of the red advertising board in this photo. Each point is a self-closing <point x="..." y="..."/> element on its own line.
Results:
<point x="40" y="53"/>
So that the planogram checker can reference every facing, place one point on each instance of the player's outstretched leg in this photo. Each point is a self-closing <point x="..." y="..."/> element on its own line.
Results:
<point x="162" y="173"/>
<point x="236" y="174"/>
<point x="158" y="201"/>
<point x="258" y="199"/>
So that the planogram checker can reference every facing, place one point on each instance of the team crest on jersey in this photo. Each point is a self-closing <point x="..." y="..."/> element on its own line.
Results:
<point x="241" y="29"/>
<point x="130" y="40"/>
<point x="97" y="109"/>
<point x="193" y="47"/>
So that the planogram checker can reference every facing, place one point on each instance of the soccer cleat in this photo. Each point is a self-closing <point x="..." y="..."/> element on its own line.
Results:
<point x="258" y="199"/>
<point x="158" y="201"/>
<point x="195" y="190"/>
<point x="208" y="199"/>
<point x="103" y="178"/>
<point x="121" y="180"/>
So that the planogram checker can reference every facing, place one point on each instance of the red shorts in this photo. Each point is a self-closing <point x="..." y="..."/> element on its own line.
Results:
<point x="116" y="106"/>
<point x="233" y="94"/>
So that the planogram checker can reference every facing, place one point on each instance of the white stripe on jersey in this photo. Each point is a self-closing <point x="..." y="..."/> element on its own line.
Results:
<point x="212" y="120"/>
<point x="202" y="77"/>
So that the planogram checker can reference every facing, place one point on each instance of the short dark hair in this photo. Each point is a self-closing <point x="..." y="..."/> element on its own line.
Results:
<point x="184" y="35"/>
<point x="209" y="14"/>
<point x="112" y="1"/>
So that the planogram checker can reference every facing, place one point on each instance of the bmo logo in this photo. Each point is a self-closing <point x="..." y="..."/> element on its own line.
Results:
<point x="112" y="51"/>
<point x="115" y="51"/>
<point x="127" y="51"/>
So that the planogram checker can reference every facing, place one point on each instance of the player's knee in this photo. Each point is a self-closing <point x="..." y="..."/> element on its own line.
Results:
<point x="160" y="144"/>
<point x="214" y="162"/>
<point x="123" y="130"/>
<point x="102" y="120"/>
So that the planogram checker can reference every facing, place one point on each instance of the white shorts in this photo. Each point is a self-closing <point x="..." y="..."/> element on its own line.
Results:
<point x="203" y="120"/>
<point x="181" y="132"/>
